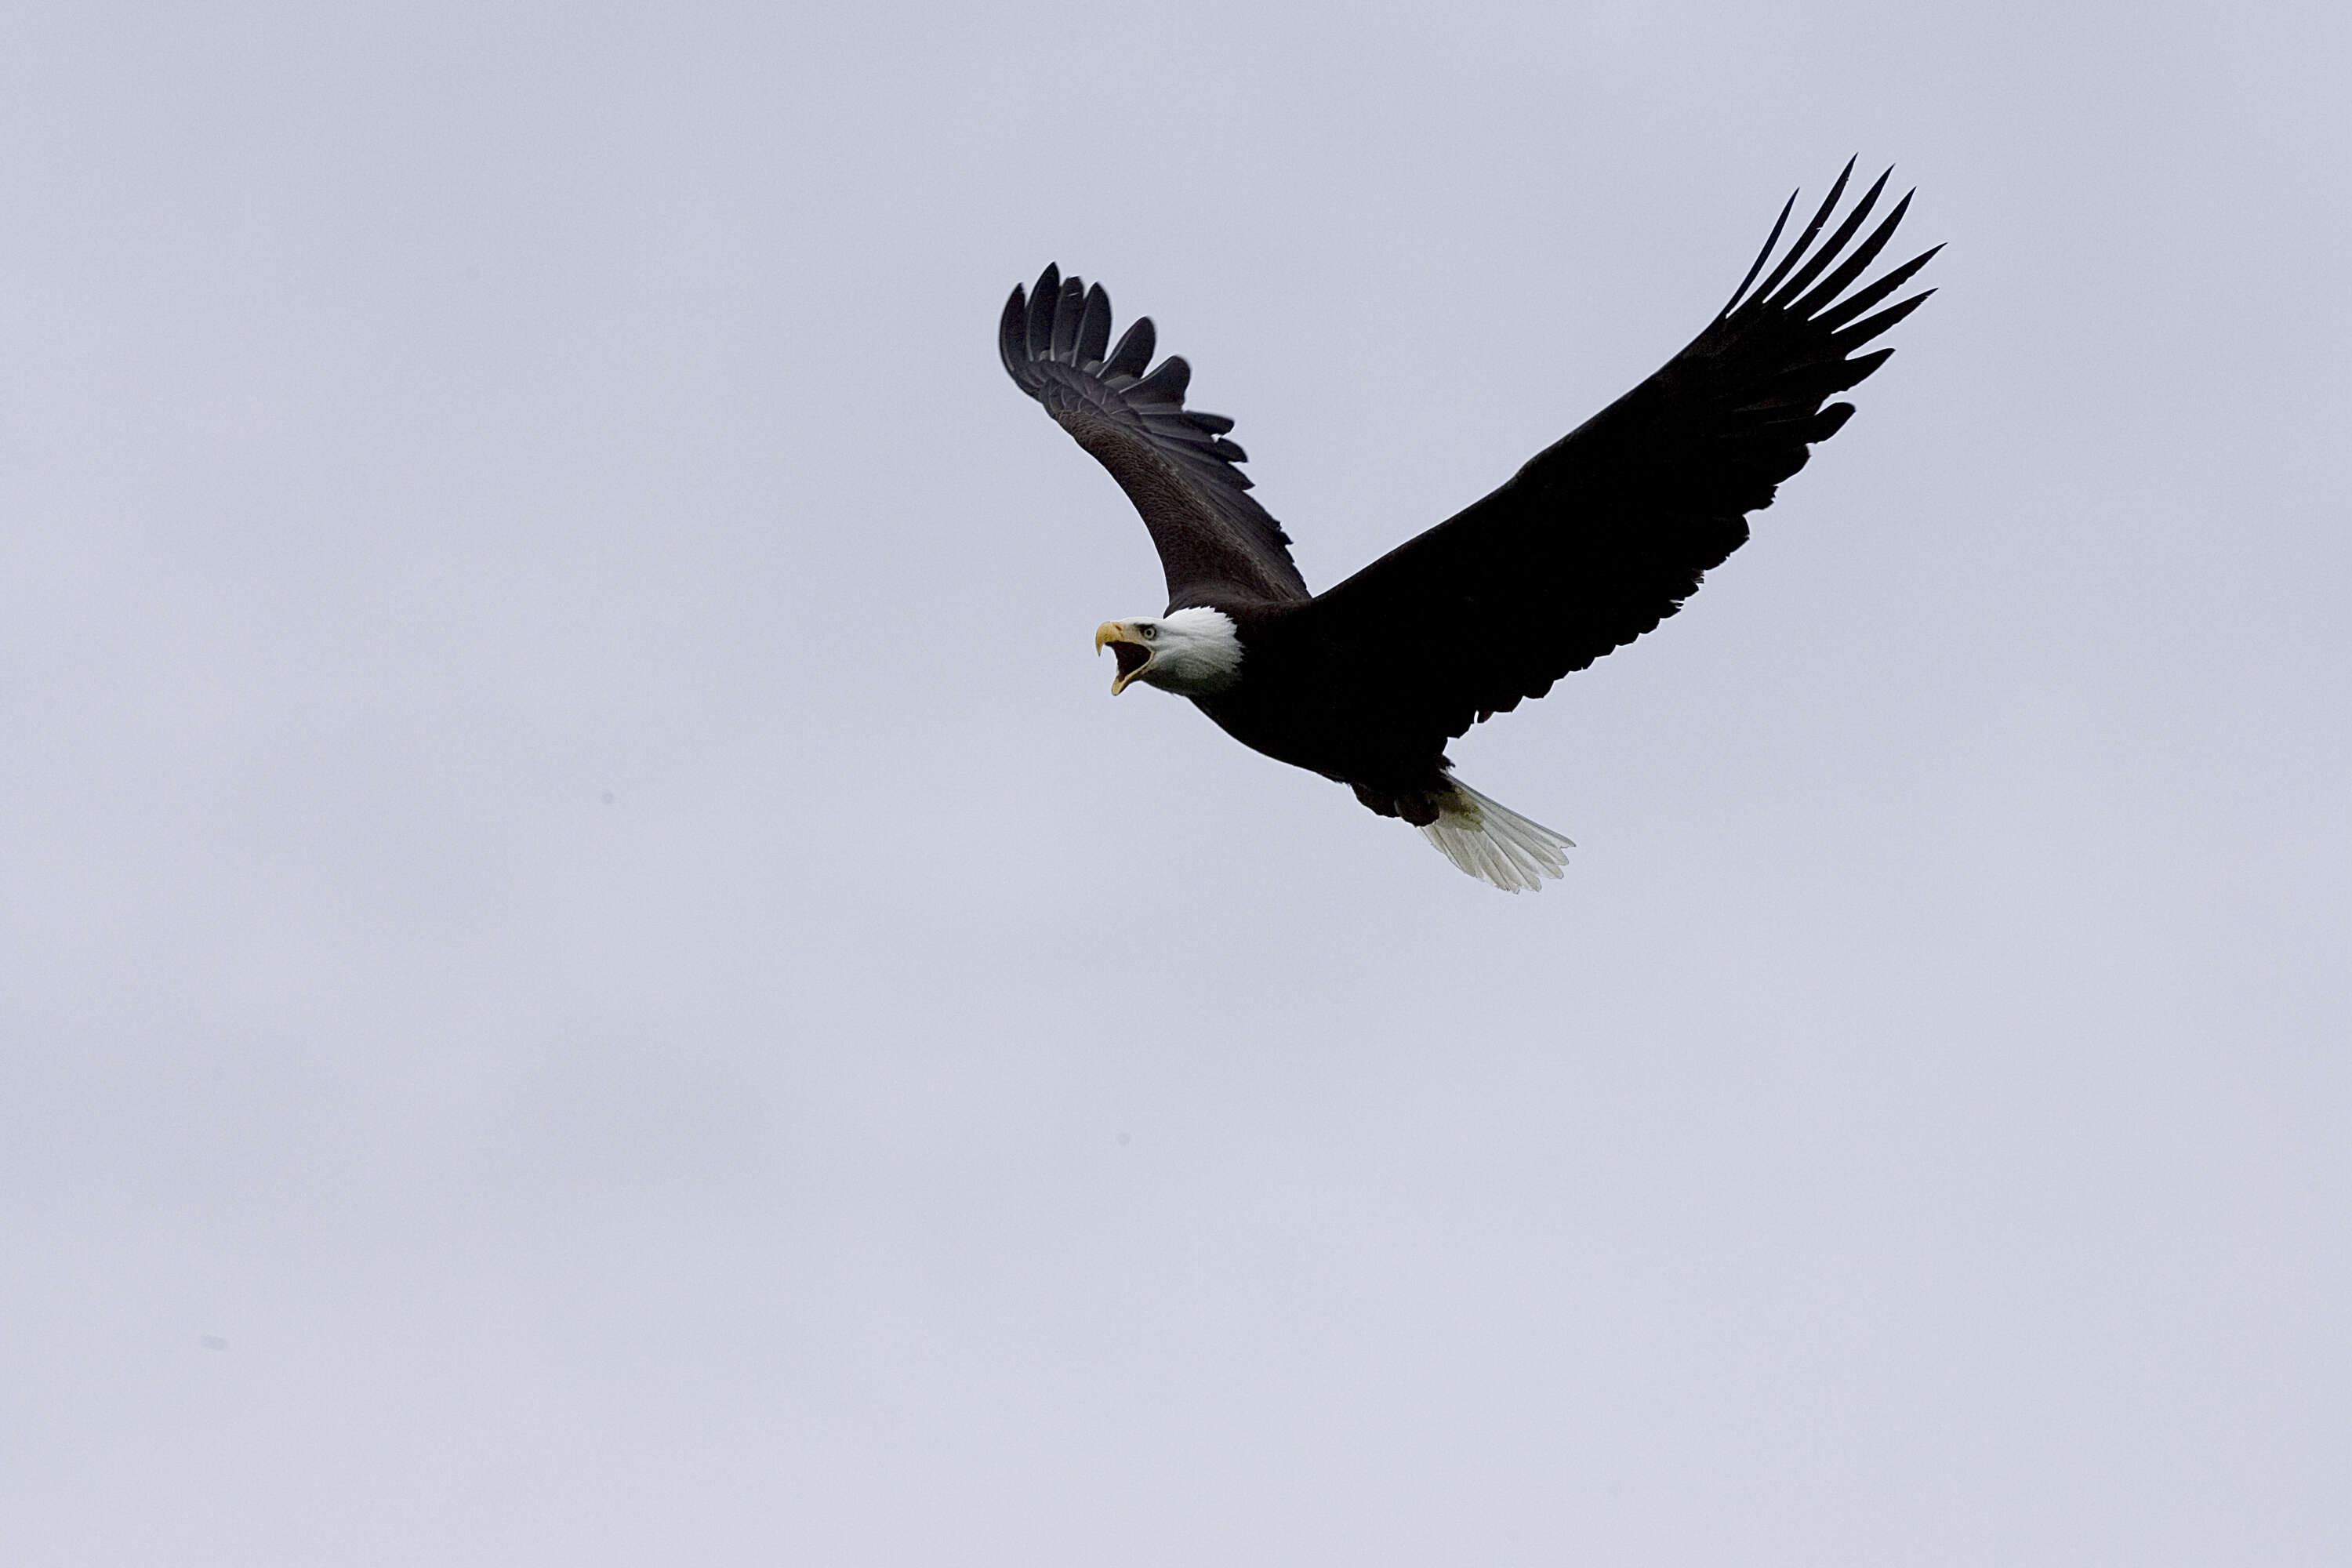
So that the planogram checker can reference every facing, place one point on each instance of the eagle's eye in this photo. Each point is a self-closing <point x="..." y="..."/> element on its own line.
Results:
<point x="1151" y="632"/>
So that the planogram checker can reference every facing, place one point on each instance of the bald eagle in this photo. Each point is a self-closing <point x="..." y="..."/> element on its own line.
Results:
<point x="1594" y="542"/>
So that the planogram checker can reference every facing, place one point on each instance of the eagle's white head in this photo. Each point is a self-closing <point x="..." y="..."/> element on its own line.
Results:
<point x="1192" y="652"/>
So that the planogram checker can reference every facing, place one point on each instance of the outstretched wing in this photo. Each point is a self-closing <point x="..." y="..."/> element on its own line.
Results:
<point x="1603" y="536"/>
<point x="1174" y="464"/>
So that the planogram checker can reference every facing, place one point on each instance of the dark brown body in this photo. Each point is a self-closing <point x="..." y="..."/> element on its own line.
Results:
<point x="1298" y="701"/>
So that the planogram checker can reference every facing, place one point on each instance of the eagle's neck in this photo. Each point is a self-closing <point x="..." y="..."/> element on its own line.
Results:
<point x="1200" y="653"/>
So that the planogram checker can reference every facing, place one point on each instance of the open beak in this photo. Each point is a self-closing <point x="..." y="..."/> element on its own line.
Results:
<point x="1130" y="650"/>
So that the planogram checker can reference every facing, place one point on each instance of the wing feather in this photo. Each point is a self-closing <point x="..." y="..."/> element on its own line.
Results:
<point x="1094" y="330"/>
<point x="1173" y="462"/>
<point x="1134" y="350"/>
<point x="1603" y="535"/>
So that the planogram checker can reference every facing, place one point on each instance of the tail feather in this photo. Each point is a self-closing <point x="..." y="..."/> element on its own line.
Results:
<point x="1496" y="844"/>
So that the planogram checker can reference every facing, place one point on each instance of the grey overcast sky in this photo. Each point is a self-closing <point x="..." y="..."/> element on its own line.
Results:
<point x="590" y="974"/>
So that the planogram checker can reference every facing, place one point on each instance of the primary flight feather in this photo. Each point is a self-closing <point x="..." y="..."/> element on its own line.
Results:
<point x="1594" y="542"/>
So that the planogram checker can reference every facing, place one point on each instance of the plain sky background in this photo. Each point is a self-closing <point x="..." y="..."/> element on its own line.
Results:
<point x="589" y="972"/>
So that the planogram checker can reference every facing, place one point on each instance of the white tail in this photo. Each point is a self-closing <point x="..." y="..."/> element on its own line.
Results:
<point x="1496" y="844"/>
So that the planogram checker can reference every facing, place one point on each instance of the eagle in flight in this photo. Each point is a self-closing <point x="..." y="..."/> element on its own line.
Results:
<point x="1598" y="538"/>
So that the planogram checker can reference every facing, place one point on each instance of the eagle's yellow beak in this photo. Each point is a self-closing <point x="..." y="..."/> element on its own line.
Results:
<point x="1131" y="650"/>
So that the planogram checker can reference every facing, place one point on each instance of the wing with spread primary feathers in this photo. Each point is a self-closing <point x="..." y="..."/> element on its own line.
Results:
<point x="1174" y="464"/>
<point x="1603" y="535"/>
